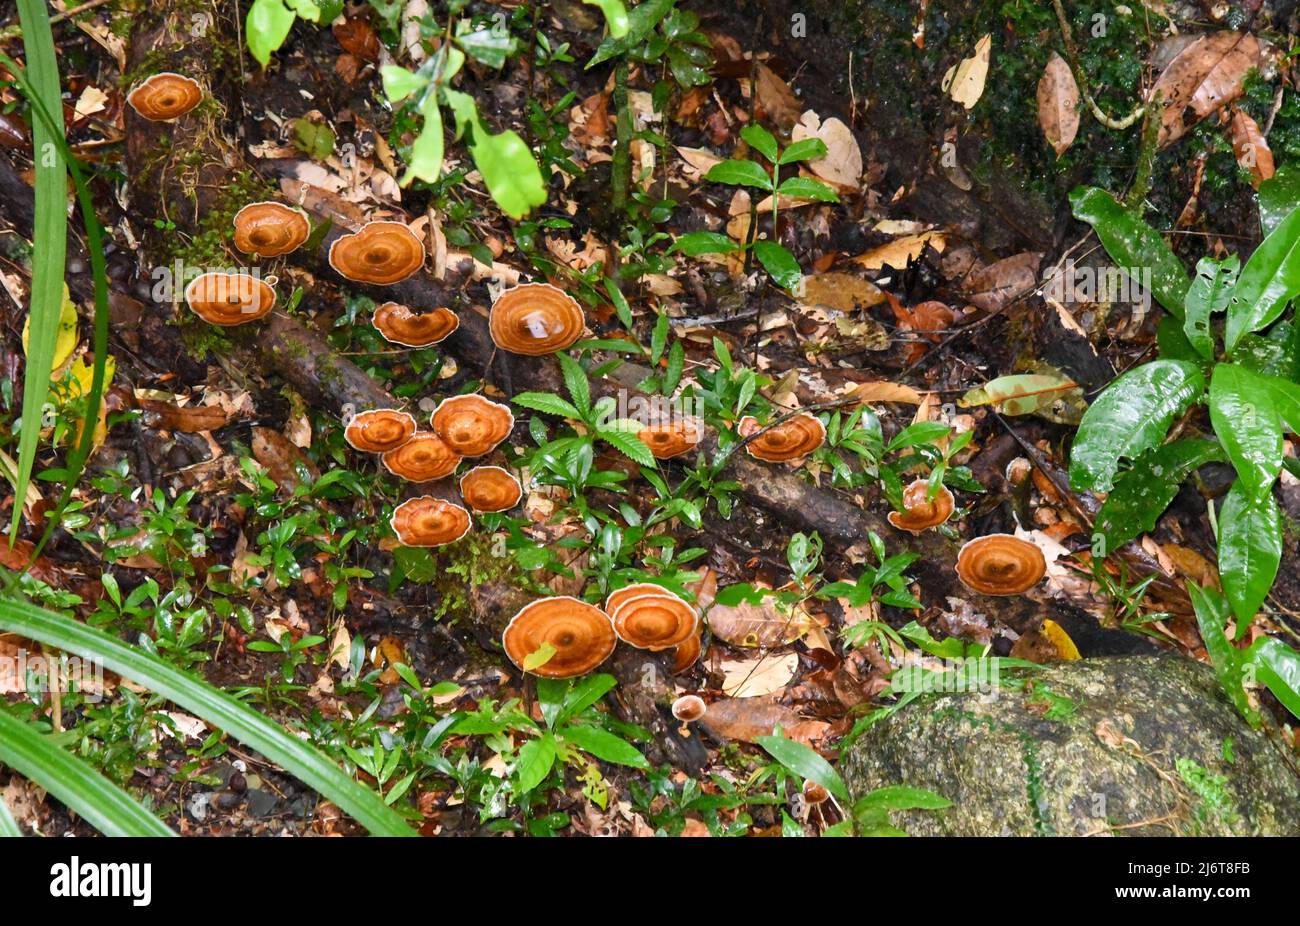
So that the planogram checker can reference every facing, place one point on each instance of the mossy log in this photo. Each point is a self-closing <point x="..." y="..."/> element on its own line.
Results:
<point x="1125" y="746"/>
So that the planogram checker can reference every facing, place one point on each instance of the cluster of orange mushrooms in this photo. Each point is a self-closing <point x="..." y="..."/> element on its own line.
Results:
<point x="532" y="319"/>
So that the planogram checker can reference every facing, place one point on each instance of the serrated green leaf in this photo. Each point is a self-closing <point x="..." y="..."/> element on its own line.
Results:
<point x="630" y="446"/>
<point x="575" y="380"/>
<point x="1130" y="417"/>
<point x="548" y="404"/>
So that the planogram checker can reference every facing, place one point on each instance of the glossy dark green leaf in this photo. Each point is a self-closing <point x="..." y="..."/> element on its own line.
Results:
<point x="807" y="149"/>
<point x="780" y="264"/>
<point x="739" y="173"/>
<point x="807" y="188"/>
<point x="1270" y="280"/>
<point x="1212" y="618"/>
<point x="1207" y="295"/>
<point x="1132" y="243"/>
<point x="804" y="762"/>
<point x="1278" y="667"/>
<point x="1279" y="196"/>
<point x="694" y="244"/>
<point x="761" y="140"/>
<point x="533" y="762"/>
<point x="1142" y="493"/>
<point x="1130" y="417"/>
<point x="1247" y="423"/>
<point x="1250" y="548"/>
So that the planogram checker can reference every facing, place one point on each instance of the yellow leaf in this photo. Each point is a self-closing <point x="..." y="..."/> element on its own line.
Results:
<point x="964" y="81"/>
<point x="542" y="655"/>
<point x="79" y="378"/>
<point x="67" y="337"/>
<point x="1054" y="632"/>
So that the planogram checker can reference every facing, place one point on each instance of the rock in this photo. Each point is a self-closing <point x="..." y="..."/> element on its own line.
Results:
<point x="1133" y="745"/>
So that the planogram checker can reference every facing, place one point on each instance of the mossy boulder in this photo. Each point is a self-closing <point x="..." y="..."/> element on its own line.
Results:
<point x="1134" y="745"/>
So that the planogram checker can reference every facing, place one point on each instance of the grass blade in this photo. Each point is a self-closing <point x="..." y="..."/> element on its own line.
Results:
<point x="49" y="237"/>
<point x="199" y="698"/>
<point x="8" y="826"/>
<point x="103" y="804"/>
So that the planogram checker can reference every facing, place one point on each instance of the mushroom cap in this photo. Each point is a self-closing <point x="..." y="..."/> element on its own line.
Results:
<point x="654" y="622"/>
<point x="429" y="522"/>
<point x="813" y="793"/>
<point x="687" y="653"/>
<point x="379" y="430"/>
<point x="1000" y="564"/>
<point x="381" y="252"/>
<point x="165" y="96"/>
<point x="920" y="512"/>
<point x="398" y="324"/>
<point x="490" y="488"/>
<point x="792" y="439"/>
<point x="580" y="633"/>
<point x="689" y="708"/>
<point x="628" y="592"/>
<point x="535" y="319"/>
<point x="269" y="229"/>
<point x="422" y="458"/>
<point x="672" y="438"/>
<point x="229" y="298"/>
<point x="472" y="425"/>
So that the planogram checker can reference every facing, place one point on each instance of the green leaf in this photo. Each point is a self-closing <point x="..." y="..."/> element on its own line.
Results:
<point x="620" y="302"/>
<point x="1278" y="667"/>
<point x="739" y="173"/>
<point x="807" y="188"/>
<point x="1270" y="279"/>
<point x="399" y="83"/>
<point x="547" y="403"/>
<point x="1212" y="617"/>
<point x="575" y="380"/>
<point x="266" y="28"/>
<point x="604" y="745"/>
<point x="1207" y="295"/>
<point x="201" y="699"/>
<point x="780" y="264"/>
<point x="585" y="692"/>
<point x="616" y="17"/>
<point x="306" y="9"/>
<point x="630" y="446"/>
<point x="900" y="797"/>
<point x="104" y="805"/>
<point x="533" y="763"/>
<point x="1279" y="196"/>
<point x="1246" y="421"/>
<point x="1132" y="243"/>
<point x="1022" y="393"/>
<point x="539" y="657"/>
<point x="693" y="244"/>
<point x="8" y="826"/>
<point x="1250" y="548"/>
<point x="1142" y="493"/>
<point x="761" y="140"/>
<point x="1130" y="417"/>
<point x="505" y="161"/>
<point x="49" y="239"/>
<point x="804" y="762"/>
<point x="488" y="45"/>
<point x="643" y="18"/>
<point x="428" y="148"/>
<point x="808" y="149"/>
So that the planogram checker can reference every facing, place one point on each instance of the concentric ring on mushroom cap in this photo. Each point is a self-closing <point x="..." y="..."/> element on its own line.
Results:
<point x="654" y="622"/>
<point x="581" y="635"/>
<point x="1000" y="564"/>
<point x="687" y="653"/>
<point x="379" y="430"/>
<point x="429" y="522"/>
<point x="490" y="488"/>
<point x="381" y="252"/>
<point x="165" y="96"/>
<point x="472" y="425"/>
<point x="269" y="229"/>
<point x="636" y="590"/>
<point x="422" y="458"/>
<point x="229" y="299"/>
<point x="920" y="512"/>
<point x="535" y="319"/>
<point x="671" y="439"/>
<point x="792" y="439"/>
<point x="399" y="325"/>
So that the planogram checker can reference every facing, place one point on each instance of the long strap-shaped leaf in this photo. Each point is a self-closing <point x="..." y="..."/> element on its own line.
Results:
<point x="238" y="720"/>
<point x="7" y="825"/>
<point x="104" y="805"/>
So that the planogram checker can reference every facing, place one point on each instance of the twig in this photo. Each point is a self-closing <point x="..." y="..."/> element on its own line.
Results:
<point x="1072" y="52"/>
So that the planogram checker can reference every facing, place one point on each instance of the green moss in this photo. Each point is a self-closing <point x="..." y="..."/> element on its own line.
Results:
<point x="469" y="562"/>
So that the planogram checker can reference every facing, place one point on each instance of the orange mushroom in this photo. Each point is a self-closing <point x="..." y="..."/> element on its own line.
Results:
<point x="578" y="637"/>
<point x="628" y="592"/>
<point x="472" y="425"/>
<point x="490" y="488"/>
<point x="535" y="319"/>
<point x="422" y="458"/>
<point x="920" y="512"/>
<point x="398" y="324"/>
<point x="686" y="654"/>
<point x="379" y="252"/>
<point x="1000" y="564"/>
<point x="689" y="708"/>
<point x="229" y="298"/>
<point x="814" y="793"/>
<point x="269" y="229"/>
<point x="654" y="622"/>
<point x="429" y="522"/>
<point x="165" y="96"/>
<point x="379" y="430"/>
<point x="792" y="439"/>
<point x="671" y="439"/>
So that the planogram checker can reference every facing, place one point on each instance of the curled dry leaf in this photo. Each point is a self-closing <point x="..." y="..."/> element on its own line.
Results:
<point x="900" y="252"/>
<point x="751" y="678"/>
<point x="964" y="81"/>
<point x="996" y="285"/>
<point x="1204" y="76"/>
<point x="1251" y="148"/>
<point x="762" y="624"/>
<point x="1023" y="394"/>
<point x="746" y="719"/>
<point x="1058" y="104"/>
<point x="165" y="416"/>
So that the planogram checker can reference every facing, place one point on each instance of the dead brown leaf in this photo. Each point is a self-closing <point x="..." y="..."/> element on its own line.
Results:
<point x="1251" y="148"/>
<point x="746" y="719"/>
<point x="280" y="457"/>
<point x="775" y="99"/>
<point x="1058" y="104"/>
<point x="994" y="286"/>
<point x="166" y="416"/>
<point x="762" y="624"/>
<point x="1204" y="76"/>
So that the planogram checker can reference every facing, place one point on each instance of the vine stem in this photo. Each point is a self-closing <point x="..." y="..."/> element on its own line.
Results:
<point x="1072" y="53"/>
